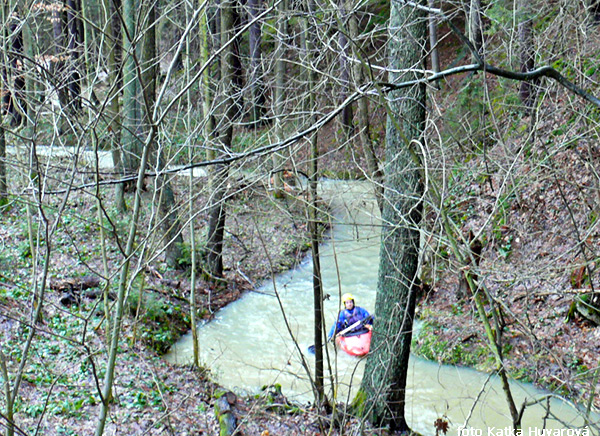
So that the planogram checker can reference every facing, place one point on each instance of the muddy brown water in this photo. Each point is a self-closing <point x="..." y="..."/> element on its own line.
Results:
<point x="248" y="344"/>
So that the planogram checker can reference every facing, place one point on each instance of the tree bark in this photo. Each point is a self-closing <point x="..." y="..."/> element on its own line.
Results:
<point x="58" y="65"/>
<point x="344" y="47"/>
<point x="3" y="184"/>
<point x="382" y="394"/>
<point x="73" y="49"/>
<point x="236" y="62"/>
<point x="15" y="103"/>
<point x="207" y="87"/>
<point x="4" y="86"/>
<point x="171" y="225"/>
<point x="527" y="56"/>
<point x="112" y="51"/>
<point x="594" y="11"/>
<point x="433" y="40"/>
<point x="475" y="27"/>
<point x="279" y="94"/>
<point x="131" y="145"/>
<point x="313" y="178"/>
<point x="217" y="213"/>
<point x="167" y="205"/>
<point x="364" y="128"/>
<point x="257" y="110"/>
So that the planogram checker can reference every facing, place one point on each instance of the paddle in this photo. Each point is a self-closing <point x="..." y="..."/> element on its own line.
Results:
<point x="311" y="348"/>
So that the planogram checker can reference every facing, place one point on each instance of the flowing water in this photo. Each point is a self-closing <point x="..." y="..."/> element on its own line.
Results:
<point x="249" y="345"/>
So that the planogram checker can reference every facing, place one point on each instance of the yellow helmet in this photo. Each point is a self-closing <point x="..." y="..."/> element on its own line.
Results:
<point x="348" y="297"/>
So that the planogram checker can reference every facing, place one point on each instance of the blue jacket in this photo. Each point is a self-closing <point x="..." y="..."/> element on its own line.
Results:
<point x="348" y="317"/>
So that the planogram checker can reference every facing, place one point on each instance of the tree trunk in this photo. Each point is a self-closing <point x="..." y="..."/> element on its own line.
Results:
<point x="3" y="184"/>
<point x="527" y="55"/>
<point x="112" y="52"/>
<point x="73" y="47"/>
<point x="14" y="97"/>
<point x="279" y="96"/>
<point x="216" y="225"/>
<point x="131" y="145"/>
<point x="382" y="394"/>
<point x="475" y="28"/>
<point x="171" y="225"/>
<point x="207" y="87"/>
<point x="364" y="128"/>
<point x="167" y="205"/>
<point x="257" y="110"/>
<point x="344" y="47"/>
<point x="433" y="41"/>
<point x="236" y="62"/>
<point x="58" y="66"/>
<point x="594" y="11"/>
<point x="4" y="87"/>
<point x="29" y="72"/>
<point x="202" y="29"/>
<point x="313" y="178"/>
<point x="228" y="109"/>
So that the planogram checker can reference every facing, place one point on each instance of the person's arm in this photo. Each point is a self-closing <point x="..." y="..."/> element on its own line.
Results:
<point x="338" y="326"/>
<point x="332" y="331"/>
<point x="335" y="327"/>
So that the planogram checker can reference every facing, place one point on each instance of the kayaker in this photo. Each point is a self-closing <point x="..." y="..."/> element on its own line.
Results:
<point x="349" y="315"/>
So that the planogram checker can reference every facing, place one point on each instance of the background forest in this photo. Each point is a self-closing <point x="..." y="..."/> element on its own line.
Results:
<point x="157" y="159"/>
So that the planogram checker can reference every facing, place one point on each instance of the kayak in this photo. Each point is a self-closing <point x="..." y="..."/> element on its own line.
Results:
<point x="355" y="345"/>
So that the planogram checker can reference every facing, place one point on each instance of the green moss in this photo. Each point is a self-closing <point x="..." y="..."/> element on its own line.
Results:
<point x="162" y="321"/>
<point x="357" y="406"/>
<point x="430" y="345"/>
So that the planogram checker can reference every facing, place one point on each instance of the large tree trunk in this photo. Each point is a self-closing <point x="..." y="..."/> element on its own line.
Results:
<point x="382" y="394"/>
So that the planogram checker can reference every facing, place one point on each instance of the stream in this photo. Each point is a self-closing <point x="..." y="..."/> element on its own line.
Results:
<point x="247" y="345"/>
